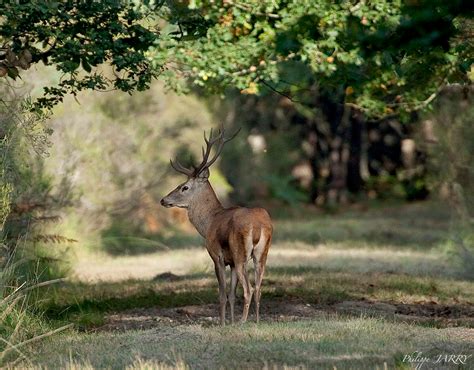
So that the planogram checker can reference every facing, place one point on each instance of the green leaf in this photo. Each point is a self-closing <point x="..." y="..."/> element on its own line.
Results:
<point x="87" y="67"/>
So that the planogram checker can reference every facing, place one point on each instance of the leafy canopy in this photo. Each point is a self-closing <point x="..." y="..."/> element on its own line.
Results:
<point x="384" y="56"/>
<point x="77" y="36"/>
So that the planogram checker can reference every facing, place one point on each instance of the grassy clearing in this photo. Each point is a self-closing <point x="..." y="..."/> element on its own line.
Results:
<point x="87" y="305"/>
<point x="332" y="341"/>
<point x="330" y="257"/>
<point x="384" y="258"/>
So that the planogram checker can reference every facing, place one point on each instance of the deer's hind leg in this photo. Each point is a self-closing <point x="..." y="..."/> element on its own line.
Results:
<point x="242" y="274"/>
<point x="260" y="259"/>
<point x="240" y="248"/>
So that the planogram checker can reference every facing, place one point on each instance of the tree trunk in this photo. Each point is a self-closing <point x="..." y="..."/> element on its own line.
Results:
<point x="354" y="177"/>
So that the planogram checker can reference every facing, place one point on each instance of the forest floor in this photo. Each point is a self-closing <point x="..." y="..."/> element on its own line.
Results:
<point x="364" y="288"/>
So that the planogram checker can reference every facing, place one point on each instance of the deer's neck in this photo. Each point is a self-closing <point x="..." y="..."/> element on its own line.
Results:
<point x="203" y="208"/>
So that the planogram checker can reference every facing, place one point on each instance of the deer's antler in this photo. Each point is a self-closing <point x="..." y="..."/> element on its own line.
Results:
<point x="181" y="169"/>
<point x="218" y="140"/>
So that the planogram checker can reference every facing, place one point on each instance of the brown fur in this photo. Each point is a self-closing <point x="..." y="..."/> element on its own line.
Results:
<point x="236" y="223"/>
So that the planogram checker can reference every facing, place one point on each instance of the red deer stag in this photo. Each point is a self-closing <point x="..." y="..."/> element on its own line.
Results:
<point x="233" y="235"/>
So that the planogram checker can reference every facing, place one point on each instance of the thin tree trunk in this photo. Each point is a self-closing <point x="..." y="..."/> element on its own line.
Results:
<point x="354" y="177"/>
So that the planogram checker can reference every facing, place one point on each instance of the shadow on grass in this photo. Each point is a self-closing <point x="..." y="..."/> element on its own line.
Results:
<point x="87" y="304"/>
<point x="360" y="285"/>
<point x="89" y="312"/>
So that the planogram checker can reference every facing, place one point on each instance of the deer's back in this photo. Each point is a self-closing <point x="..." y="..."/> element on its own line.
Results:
<point x="239" y="223"/>
<point x="241" y="219"/>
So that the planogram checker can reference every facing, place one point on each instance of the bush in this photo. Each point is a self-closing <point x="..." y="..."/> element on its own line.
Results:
<point x="30" y="202"/>
<point x="452" y="158"/>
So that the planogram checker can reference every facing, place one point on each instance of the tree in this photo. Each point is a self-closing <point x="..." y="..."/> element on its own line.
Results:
<point x="340" y="63"/>
<point x="383" y="56"/>
<point x="77" y="37"/>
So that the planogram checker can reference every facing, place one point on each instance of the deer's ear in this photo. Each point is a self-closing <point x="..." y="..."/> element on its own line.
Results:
<point x="203" y="175"/>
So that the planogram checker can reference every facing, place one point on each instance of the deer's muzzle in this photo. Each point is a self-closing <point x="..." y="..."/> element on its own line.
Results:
<point x="165" y="203"/>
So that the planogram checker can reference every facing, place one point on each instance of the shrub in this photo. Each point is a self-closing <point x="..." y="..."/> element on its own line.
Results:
<point x="452" y="155"/>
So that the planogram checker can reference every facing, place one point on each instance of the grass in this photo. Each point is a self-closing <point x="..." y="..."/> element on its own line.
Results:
<point x="19" y="326"/>
<point x="88" y="304"/>
<point x="325" y="343"/>
<point x="381" y="258"/>
<point x="411" y="226"/>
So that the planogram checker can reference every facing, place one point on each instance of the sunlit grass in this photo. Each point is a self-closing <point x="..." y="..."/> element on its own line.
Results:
<point x="403" y="239"/>
<point x="325" y="282"/>
<point x="135" y="364"/>
<point x="331" y="257"/>
<point x="327" y="342"/>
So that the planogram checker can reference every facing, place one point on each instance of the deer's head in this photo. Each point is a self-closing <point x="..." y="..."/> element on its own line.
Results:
<point x="198" y="176"/>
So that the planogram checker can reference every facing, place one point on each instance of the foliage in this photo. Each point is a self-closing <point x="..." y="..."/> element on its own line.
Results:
<point x="5" y="193"/>
<point x="452" y="155"/>
<point x="266" y="133"/>
<point x="386" y="187"/>
<point x="19" y="131"/>
<point x="77" y="37"/>
<point x="31" y="202"/>
<point x="115" y="150"/>
<point x="282" y="188"/>
<point x="384" y="56"/>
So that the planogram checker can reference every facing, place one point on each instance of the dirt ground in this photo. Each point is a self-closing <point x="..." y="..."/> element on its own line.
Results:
<point x="291" y="310"/>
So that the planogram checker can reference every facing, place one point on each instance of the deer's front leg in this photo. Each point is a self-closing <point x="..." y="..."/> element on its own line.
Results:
<point x="219" y="267"/>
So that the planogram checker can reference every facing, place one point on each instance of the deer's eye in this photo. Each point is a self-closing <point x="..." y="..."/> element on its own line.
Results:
<point x="184" y="188"/>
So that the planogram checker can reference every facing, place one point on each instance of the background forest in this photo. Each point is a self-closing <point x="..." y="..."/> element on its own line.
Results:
<point x="356" y="134"/>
